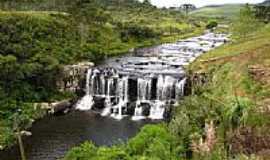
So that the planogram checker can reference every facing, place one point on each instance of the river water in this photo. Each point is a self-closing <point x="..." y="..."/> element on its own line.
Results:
<point x="53" y="136"/>
<point x="142" y="86"/>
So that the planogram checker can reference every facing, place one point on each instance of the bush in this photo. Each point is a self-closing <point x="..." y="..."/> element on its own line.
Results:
<point x="211" y="25"/>
<point x="246" y="23"/>
<point x="129" y="31"/>
<point x="84" y="152"/>
<point x="153" y="143"/>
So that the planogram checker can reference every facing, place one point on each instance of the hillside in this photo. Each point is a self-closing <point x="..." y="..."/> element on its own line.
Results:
<point x="38" y="38"/>
<point x="239" y="87"/>
<point x="266" y="3"/>
<point x="228" y="11"/>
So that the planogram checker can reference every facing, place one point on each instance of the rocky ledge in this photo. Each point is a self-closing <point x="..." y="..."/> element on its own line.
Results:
<point x="56" y="107"/>
<point x="73" y="76"/>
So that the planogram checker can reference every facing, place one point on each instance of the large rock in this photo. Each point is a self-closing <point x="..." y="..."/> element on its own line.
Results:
<point x="73" y="77"/>
<point x="55" y="107"/>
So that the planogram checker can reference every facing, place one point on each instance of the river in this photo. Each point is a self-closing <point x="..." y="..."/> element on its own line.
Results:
<point x="54" y="135"/>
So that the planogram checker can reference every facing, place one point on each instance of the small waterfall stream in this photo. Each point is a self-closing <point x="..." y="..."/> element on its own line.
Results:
<point x="145" y="84"/>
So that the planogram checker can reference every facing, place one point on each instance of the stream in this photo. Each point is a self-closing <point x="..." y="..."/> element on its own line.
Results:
<point x="122" y="95"/>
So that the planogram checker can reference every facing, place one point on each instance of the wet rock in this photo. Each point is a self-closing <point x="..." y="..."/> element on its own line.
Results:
<point x="73" y="77"/>
<point x="26" y="133"/>
<point x="56" y="107"/>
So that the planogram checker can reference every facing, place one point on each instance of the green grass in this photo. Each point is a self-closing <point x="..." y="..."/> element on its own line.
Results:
<point x="228" y="11"/>
<point x="234" y="59"/>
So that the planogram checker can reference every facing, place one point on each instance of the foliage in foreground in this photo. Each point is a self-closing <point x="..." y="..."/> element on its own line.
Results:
<point x="154" y="142"/>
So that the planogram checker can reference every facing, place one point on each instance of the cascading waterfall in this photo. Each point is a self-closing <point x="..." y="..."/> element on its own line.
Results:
<point x="122" y="93"/>
<point x="108" y="103"/>
<point x="146" y="84"/>
<point x="157" y="110"/>
<point x="87" y="101"/>
<point x="144" y="87"/>
<point x="180" y="88"/>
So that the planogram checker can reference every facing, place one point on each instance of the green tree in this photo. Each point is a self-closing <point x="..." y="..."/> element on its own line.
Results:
<point x="187" y="8"/>
<point x="263" y="12"/>
<point x="246" y="23"/>
<point x="212" y="24"/>
<point x="147" y="2"/>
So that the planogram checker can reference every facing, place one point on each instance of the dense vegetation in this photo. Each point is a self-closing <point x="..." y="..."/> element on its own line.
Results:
<point x="225" y="118"/>
<point x="37" y="38"/>
<point x="263" y="11"/>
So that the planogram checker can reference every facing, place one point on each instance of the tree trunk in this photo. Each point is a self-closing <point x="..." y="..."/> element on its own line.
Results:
<point x="19" y="137"/>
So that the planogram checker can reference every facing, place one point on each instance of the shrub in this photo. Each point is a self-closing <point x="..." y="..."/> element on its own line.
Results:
<point x="211" y="25"/>
<point x="152" y="141"/>
<point x="84" y="152"/>
<point x="129" y="31"/>
<point x="246" y="23"/>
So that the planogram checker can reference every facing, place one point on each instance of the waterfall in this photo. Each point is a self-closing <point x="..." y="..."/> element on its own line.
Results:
<point x="157" y="110"/>
<point x="144" y="89"/>
<point x="87" y="101"/>
<point x="180" y="88"/>
<point x="122" y="91"/>
<point x="102" y="85"/>
<point x="108" y="104"/>
<point x="138" y="113"/>
<point x="144" y="96"/>
<point x="145" y="85"/>
<point x="160" y="84"/>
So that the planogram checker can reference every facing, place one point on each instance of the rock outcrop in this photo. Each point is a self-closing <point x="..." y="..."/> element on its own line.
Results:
<point x="56" y="107"/>
<point x="73" y="77"/>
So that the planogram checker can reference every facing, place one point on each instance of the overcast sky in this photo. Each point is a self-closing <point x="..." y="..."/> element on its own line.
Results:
<point x="198" y="3"/>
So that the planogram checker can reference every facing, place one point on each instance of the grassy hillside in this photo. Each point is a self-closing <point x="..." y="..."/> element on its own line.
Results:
<point x="235" y="99"/>
<point x="227" y="11"/>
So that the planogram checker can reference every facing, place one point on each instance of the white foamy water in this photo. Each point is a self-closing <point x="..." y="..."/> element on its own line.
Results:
<point x="146" y="84"/>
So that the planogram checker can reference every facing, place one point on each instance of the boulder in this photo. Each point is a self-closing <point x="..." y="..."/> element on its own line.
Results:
<point x="56" y="107"/>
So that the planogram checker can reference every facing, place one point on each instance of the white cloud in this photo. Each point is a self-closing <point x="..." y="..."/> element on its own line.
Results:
<point x="199" y="3"/>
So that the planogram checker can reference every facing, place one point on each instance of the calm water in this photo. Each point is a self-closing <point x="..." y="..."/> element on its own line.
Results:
<point x="53" y="136"/>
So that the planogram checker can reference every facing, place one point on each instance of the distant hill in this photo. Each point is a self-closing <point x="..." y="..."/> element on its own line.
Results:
<point x="226" y="11"/>
<point x="265" y="3"/>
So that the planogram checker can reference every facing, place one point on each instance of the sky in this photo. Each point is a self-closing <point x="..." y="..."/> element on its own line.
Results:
<point x="198" y="3"/>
